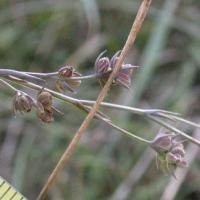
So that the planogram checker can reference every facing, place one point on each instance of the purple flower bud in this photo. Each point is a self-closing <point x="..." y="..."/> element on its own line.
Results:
<point x="178" y="149"/>
<point x="64" y="83"/>
<point x="102" y="64"/>
<point x="46" y="116"/>
<point x="124" y="75"/>
<point x="46" y="99"/>
<point x="171" y="153"/>
<point x="43" y="106"/>
<point x="114" y="59"/>
<point x="22" y="102"/>
<point x="65" y="72"/>
<point x="163" y="142"/>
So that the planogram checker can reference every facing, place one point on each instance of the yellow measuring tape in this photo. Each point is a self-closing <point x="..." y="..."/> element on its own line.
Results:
<point x="8" y="192"/>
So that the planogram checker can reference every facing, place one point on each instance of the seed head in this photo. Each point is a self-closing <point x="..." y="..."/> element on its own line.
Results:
<point x="22" y="102"/>
<point x="124" y="75"/>
<point x="102" y="64"/>
<point x="46" y="99"/>
<point x="163" y="142"/>
<point x="170" y="152"/>
<point x="64" y="82"/>
<point x="46" y="116"/>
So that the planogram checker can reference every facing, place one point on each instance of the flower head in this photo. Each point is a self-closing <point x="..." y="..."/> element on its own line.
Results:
<point x="46" y="116"/>
<point x="163" y="142"/>
<point x="46" y="99"/>
<point x="64" y="82"/>
<point x="44" y="107"/>
<point x="170" y="152"/>
<point x="22" y="102"/>
<point x="104" y="66"/>
<point x="124" y="75"/>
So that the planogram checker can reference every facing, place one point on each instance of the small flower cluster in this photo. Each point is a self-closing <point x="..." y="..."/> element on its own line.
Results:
<point x="23" y="103"/>
<point x="65" y="79"/>
<point x="45" y="107"/>
<point x="104" y="65"/>
<point x="170" y="152"/>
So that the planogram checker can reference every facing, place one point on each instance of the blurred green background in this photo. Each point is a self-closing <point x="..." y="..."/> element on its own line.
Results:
<point x="41" y="36"/>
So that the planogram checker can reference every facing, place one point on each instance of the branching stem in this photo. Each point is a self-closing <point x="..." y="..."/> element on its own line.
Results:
<point x="142" y="12"/>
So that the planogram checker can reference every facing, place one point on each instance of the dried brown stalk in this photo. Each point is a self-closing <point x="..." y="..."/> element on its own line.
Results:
<point x="142" y="12"/>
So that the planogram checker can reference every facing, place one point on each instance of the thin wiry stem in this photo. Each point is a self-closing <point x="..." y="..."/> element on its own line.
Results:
<point x="128" y="133"/>
<point x="43" y="75"/>
<point x="174" y="129"/>
<point x="74" y="101"/>
<point x="185" y="121"/>
<point x="149" y="113"/>
<point x="8" y="85"/>
<point x="80" y="104"/>
<point x="85" y="77"/>
<point x="98" y="116"/>
<point x="130" y="109"/>
<point x="20" y="75"/>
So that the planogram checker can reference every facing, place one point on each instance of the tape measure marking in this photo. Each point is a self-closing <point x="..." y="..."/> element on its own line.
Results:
<point x="2" y="182"/>
<point x="11" y="194"/>
<point x="9" y="187"/>
<point x="11" y="197"/>
<point x="7" y="192"/>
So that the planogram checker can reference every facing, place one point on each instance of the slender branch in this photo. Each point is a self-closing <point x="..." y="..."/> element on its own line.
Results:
<point x="42" y="75"/>
<point x="21" y="75"/>
<point x="142" y="12"/>
<point x="98" y="116"/>
<point x="130" y="109"/>
<point x="81" y="103"/>
<point x="8" y="85"/>
<point x="76" y="101"/>
<point x="172" y="128"/>
<point x="85" y="77"/>
<point x="180" y="119"/>
<point x="127" y="132"/>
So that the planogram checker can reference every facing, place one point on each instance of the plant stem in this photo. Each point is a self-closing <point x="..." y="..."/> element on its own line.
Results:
<point x="21" y="75"/>
<point x="42" y="75"/>
<point x="8" y="85"/>
<point x="85" y="77"/>
<point x="172" y="128"/>
<point x="81" y="103"/>
<point x="180" y="119"/>
<point x="76" y="101"/>
<point x="142" y="12"/>
<point x="130" y="109"/>
<point x="128" y="133"/>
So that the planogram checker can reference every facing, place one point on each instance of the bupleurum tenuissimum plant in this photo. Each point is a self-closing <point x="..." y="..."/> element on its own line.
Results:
<point x="167" y="144"/>
<point x="66" y="79"/>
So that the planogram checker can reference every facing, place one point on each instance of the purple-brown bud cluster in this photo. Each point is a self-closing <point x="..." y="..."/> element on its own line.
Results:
<point x="45" y="107"/>
<point x="170" y="152"/>
<point x="66" y="81"/>
<point x="104" y="65"/>
<point x="22" y="102"/>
